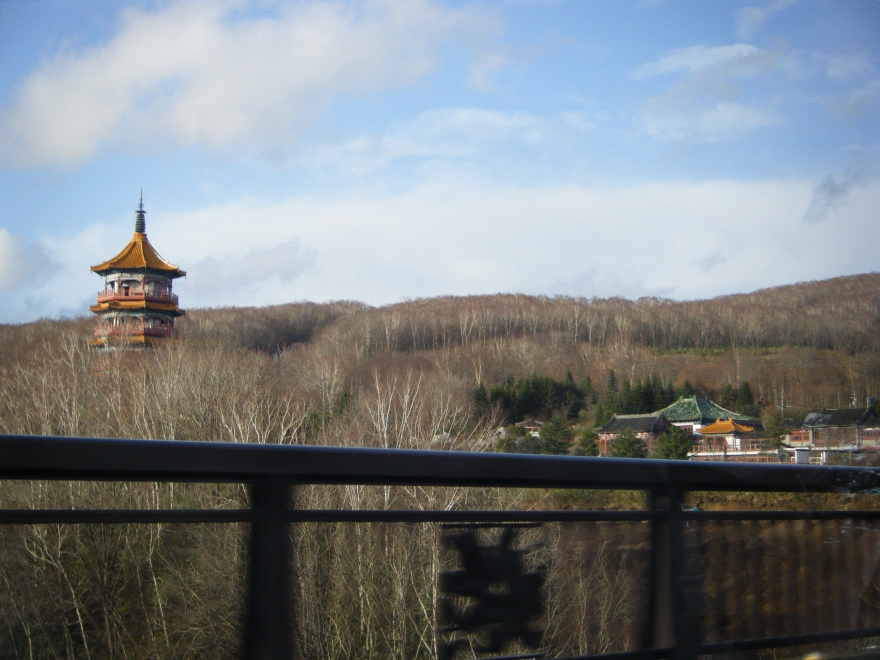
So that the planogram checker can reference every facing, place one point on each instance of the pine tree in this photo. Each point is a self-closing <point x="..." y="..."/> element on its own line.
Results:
<point x="673" y="444"/>
<point x="481" y="399"/>
<point x="728" y="397"/>
<point x="686" y="389"/>
<point x="670" y="394"/>
<point x="745" y="400"/>
<point x="604" y="413"/>
<point x="625" y="399"/>
<point x="612" y="384"/>
<point x="774" y="431"/>
<point x="627" y="445"/>
<point x="555" y="436"/>
<point x="587" y="444"/>
<point x="590" y="394"/>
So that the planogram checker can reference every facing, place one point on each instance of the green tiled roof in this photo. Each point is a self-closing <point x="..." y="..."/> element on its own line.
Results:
<point x="695" y="409"/>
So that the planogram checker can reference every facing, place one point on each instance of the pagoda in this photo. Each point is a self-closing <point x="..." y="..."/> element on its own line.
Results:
<point x="136" y="307"/>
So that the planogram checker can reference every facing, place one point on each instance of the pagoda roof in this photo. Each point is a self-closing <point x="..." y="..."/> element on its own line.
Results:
<point x="697" y="409"/>
<point x="139" y="254"/>
<point x="725" y="426"/>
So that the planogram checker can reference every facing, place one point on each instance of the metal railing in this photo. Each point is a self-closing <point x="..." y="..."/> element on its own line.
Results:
<point x="273" y="471"/>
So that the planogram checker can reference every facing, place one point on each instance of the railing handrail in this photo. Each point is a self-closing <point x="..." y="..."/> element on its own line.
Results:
<point x="672" y="628"/>
<point x="40" y="457"/>
<point x="112" y="295"/>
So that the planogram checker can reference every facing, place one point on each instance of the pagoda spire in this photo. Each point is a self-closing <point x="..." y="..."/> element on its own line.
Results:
<point x="140" y="224"/>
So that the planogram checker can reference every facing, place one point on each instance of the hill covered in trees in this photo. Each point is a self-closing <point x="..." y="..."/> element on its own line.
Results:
<point x="802" y="346"/>
<point x="440" y="373"/>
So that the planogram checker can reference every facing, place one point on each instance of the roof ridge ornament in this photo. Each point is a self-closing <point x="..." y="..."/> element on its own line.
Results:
<point x="140" y="223"/>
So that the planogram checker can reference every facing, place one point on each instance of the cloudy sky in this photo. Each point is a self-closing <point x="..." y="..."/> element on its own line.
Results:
<point x="389" y="149"/>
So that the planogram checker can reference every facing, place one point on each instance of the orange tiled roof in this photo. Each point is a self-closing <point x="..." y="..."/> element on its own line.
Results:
<point x="139" y="254"/>
<point x="722" y="426"/>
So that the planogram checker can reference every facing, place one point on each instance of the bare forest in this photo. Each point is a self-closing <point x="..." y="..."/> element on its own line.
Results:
<point x="406" y="375"/>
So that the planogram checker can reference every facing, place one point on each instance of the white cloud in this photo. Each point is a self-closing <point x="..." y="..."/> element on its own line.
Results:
<point x="863" y="99"/>
<point x="204" y="73"/>
<point x="696" y="58"/>
<point x="845" y="66"/>
<point x="472" y="237"/>
<point x="484" y="68"/>
<point x="677" y="239"/>
<point x="699" y="104"/>
<point x="215" y="277"/>
<point x="724" y="120"/>
<point x="751" y="19"/>
<point x="28" y="264"/>
<point x="444" y="133"/>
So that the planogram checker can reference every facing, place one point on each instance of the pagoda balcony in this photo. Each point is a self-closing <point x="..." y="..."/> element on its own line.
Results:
<point x="108" y="295"/>
<point x="134" y="331"/>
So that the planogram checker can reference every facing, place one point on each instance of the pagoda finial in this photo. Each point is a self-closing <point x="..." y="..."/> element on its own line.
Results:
<point x="140" y="224"/>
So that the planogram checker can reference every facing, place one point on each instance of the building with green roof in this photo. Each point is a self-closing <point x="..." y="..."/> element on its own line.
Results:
<point x="693" y="412"/>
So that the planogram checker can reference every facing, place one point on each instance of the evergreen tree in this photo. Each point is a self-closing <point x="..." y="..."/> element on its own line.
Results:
<point x="775" y="431"/>
<point x="625" y="399"/>
<point x="611" y="389"/>
<point x="519" y="441"/>
<point x="728" y="397"/>
<point x="673" y="444"/>
<point x="638" y="397"/>
<point x="774" y="427"/>
<point x="670" y="394"/>
<point x="481" y="399"/>
<point x="588" y="444"/>
<point x="660" y="401"/>
<point x="745" y="400"/>
<point x="686" y="390"/>
<point x="604" y="413"/>
<point x="591" y="396"/>
<point x="555" y="436"/>
<point x="627" y="445"/>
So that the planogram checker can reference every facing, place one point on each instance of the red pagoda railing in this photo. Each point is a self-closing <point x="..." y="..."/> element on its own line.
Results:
<point x="105" y="296"/>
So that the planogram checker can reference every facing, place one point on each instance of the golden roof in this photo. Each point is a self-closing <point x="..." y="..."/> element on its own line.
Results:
<point x="722" y="426"/>
<point x="139" y="254"/>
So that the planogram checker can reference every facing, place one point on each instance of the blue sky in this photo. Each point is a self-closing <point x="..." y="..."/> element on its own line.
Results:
<point x="384" y="150"/>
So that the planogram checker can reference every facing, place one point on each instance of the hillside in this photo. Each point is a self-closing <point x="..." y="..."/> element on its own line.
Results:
<point x="815" y="343"/>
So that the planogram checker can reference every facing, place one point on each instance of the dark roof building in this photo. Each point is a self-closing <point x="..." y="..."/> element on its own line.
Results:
<point x="646" y="427"/>
<point x="843" y="417"/>
<point x="851" y="428"/>
<point x="650" y="423"/>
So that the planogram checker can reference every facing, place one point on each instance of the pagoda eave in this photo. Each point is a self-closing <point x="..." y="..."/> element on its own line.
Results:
<point x="104" y="270"/>
<point x="137" y="305"/>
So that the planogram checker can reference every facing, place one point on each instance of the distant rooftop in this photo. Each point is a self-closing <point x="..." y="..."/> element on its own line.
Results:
<point x="697" y="409"/>
<point x="843" y="417"/>
<point x="635" y="423"/>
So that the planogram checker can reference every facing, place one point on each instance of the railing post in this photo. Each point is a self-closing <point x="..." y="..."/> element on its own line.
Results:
<point x="269" y="623"/>
<point x="674" y="619"/>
